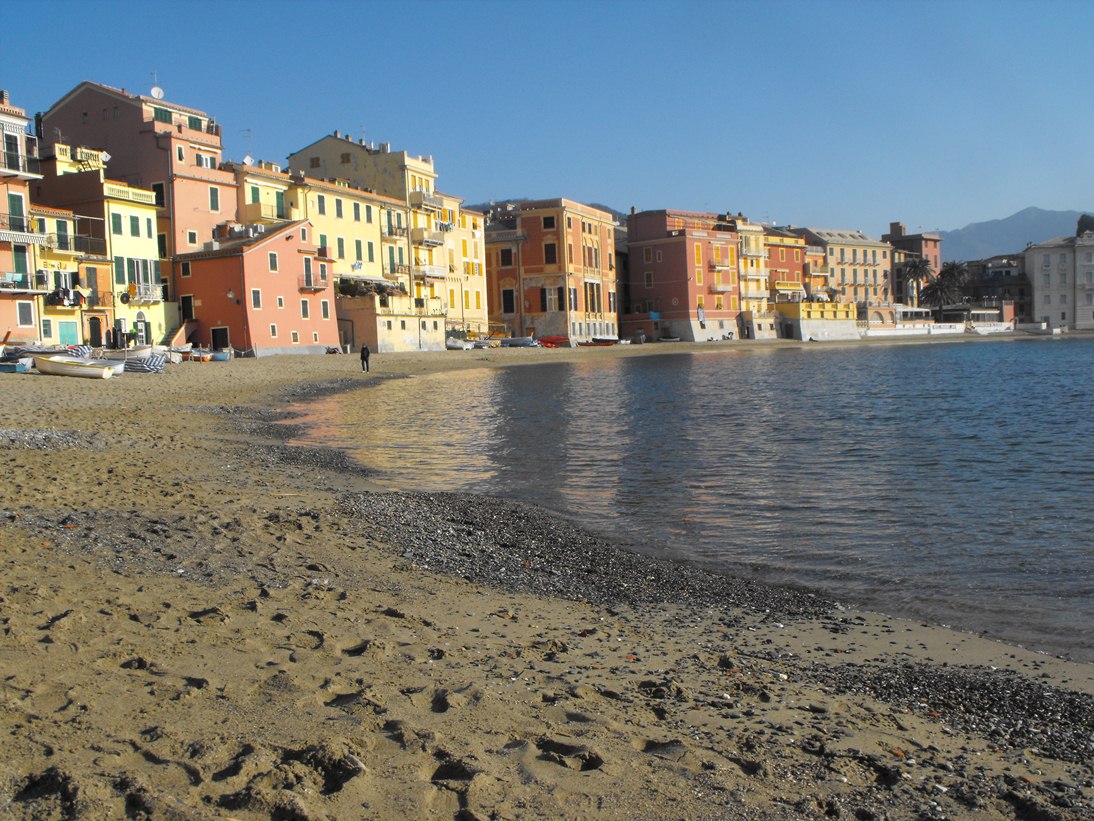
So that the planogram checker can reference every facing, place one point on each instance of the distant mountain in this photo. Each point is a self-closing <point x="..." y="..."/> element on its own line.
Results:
<point x="980" y="240"/>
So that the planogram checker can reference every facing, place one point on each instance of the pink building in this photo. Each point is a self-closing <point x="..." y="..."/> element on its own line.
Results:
<point x="683" y="279"/>
<point x="927" y="246"/>
<point x="171" y="149"/>
<point x="261" y="290"/>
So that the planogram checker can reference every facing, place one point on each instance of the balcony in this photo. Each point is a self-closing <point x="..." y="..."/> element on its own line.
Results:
<point x="423" y="236"/>
<point x="311" y="282"/>
<point x="431" y="271"/>
<point x="16" y="164"/>
<point x="263" y="212"/>
<point x="124" y="192"/>
<point x="509" y="235"/>
<point x="394" y="231"/>
<point x="751" y="291"/>
<point x="395" y="271"/>
<point x="21" y="229"/>
<point x="324" y="251"/>
<point x="426" y="201"/>
<point x="36" y="283"/>
<point x="723" y="287"/>
<point x="146" y="292"/>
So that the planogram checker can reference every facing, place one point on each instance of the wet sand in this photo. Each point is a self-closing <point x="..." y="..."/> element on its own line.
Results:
<point x="200" y="621"/>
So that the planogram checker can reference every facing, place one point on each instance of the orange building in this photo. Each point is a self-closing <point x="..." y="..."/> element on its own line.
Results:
<point x="550" y="270"/>
<point x="260" y="290"/>
<point x="684" y="276"/>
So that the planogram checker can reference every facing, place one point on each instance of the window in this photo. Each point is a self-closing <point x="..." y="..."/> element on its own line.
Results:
<point x="160" y="190"/>
<point x="648" y="276"/>
<point x="305" y="309"/>
<point x="273" y="261"/>
<point x="341" y="243"/>
<point x="116" y="224"/>
<point x="47" y="328"/>
<point x="323" y="242"/>
<point x="180" y="153"/>
<point x="161" y="115"/>
<point x="338" y="208"/>
<point x="281" y="302"/>
<point x="346" y="158"/>
<point x="273" y="331"/>
<point x="357" y="212"/>
<point x="357" y="248"/>
<point x="324" y="308"/>
<point x="313" y="162"/>
<point x="506" y="259"/>
<point x="192" y="237"/>
<point x="205" y="161"/>
<point x="134" y="226"/>
<point x="119" y="270"/>
<point x="321" y="204"/>
<point x="184" y="269"/>
<point x="548" y="223"/>
<point x="148" y="227"/>
<point x="295" y="337"/>
<point x="658" y="255"/>
<point x="647" y="255"/>
<point x="214" y="199"/>
<point x="368" y="213"/>
<point x="508" y="301"/>
<point x="371" y="252"/>
<point x="550" y="253"/>
<point x="256" y="298"/>
<point x="25" y="311"/>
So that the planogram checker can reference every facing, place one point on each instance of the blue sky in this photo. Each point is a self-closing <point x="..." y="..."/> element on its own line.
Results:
<point x="829" y="113"/>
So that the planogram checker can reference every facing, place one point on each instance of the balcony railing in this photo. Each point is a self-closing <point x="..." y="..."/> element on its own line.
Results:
<point x="509" y="235"/>
<point x="310" y="282"/>
<point x="37" y="282"/>
<point x="146" y="292"/>
<point x="76" y="243"/>
<point x="423" y="236"/>
<point x="423" y="199"/>
<point x="124" y="192"/>
<point x="723" y="287"/>
<point x="20" y="228"/>
<point x="393" y="271"/>
<point x="14" y="162"/>
<point x="263" y="212"/>
<point x="395" y="230"/>
<point x="431" y="271"/>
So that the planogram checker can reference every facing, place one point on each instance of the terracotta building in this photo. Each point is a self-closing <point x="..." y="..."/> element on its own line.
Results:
<point x="684" y="276"/>
<point x="550" y="267"/>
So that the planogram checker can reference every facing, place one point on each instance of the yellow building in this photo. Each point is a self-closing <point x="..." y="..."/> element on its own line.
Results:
<point x="424" y="242"/>
<point x="859" y="269"/>
<point x="117" y="248"/>
<point x="56" y="262"/>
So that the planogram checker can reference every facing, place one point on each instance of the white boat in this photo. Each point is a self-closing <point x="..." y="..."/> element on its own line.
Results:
<point x="454" y="344"/>
<point x="66" y="365"/>
<point x="139" y="352"/>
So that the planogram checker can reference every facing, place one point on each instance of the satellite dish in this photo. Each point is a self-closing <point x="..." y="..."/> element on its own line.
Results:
<point x="106" y="157"/>
<point x="248" y="160"/>
<point x="157" y="92"/>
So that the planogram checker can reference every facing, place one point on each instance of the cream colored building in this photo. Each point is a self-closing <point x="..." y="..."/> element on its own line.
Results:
<point x="859" y="270"/>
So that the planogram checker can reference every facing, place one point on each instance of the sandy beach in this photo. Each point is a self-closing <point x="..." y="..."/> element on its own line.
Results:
<point x="200" y="620"/>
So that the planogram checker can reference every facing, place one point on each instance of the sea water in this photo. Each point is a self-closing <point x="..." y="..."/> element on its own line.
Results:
<point x="947" y="482"/>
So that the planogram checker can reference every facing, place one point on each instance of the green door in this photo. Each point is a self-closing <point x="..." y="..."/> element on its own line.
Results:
<point x="68" y="332"/>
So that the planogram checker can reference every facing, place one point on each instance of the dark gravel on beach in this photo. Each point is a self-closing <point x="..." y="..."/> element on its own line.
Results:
<point x="522" y="547"/>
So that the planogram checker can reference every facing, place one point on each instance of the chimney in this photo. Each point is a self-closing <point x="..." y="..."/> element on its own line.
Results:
<point x="337" y="134"/>
<point x="4" y="97"/>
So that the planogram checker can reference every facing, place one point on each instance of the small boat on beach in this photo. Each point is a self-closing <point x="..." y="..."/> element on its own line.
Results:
<point x="138" y="352"/>
<point x="68" y="365"/>
<point x="454" y="344"/>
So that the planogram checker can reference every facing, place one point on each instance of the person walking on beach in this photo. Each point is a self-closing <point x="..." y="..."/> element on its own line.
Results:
<point x="364" y="358"/>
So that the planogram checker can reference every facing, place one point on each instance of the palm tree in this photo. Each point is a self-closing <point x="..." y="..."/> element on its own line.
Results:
<point x="913" y="273"/>
<point x="945" y="288"/>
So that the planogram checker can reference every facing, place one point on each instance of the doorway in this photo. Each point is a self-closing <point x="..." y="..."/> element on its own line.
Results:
<point x="219" y="338"/>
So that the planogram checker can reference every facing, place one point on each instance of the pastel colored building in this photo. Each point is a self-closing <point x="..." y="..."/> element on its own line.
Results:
<point x="118" y="225"/>
<point x="1061" y="275"/>
<point x="923" y="246"/>
<point x="152" y="144"/>
<point x="21" y="285"/>
<point x="423" y="248"/>
<point x="550" y="267"/>
<point x="260" y="290"/>
<point x="859" y="269"/>
<point x="684" y="275"/>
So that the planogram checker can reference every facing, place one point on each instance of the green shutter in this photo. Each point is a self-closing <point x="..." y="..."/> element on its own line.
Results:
<point x="116" y="224"/>
<point x="119" y="270"/>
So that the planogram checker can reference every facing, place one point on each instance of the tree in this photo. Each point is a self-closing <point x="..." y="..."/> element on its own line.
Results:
<point x="913" y="273"/>
<point x="945" y="288"/>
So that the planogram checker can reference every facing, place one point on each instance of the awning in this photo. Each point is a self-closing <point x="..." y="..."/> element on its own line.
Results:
<point x="792" y="287"/>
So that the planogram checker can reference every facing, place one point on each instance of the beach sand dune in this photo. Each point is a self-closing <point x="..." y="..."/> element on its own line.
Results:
<point x="198" y="620"/>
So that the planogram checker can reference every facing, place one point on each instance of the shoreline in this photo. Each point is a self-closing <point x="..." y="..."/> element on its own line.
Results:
<point x="205" y="620"/>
